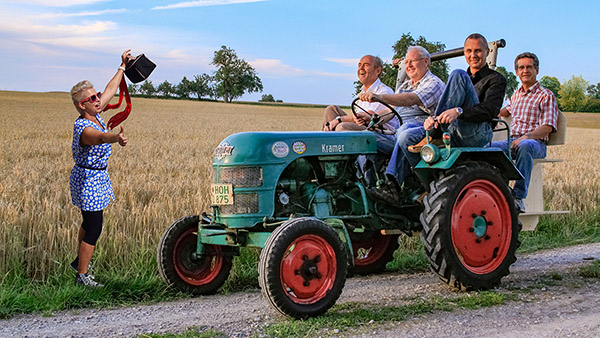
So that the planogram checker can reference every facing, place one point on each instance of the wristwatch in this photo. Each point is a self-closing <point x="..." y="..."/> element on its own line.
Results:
<point x="459" y="111"/>
<point x="338" y="118"/>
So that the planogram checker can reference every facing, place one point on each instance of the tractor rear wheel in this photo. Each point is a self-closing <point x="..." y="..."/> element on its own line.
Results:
<point x="180" y="266"/>
<point x="470" y="227"/>
<point x="372" y="251"/>
<point x="302" y="268"/>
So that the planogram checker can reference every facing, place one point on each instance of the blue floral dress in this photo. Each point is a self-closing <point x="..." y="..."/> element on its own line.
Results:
<point x="90" y="185"/>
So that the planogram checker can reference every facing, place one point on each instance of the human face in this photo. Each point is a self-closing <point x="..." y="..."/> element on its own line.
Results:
<point x="475" y="52"/>
<point x="91" y="103"/>
<point x="416" y="65"/>
<point x="526" y="71"/>
<point x="367" y="72"/>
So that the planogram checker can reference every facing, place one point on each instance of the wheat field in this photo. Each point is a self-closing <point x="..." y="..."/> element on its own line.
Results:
<point x="164" y="173"/>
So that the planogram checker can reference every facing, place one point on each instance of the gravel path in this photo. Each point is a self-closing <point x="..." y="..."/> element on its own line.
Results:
<point x="568" y="307"/>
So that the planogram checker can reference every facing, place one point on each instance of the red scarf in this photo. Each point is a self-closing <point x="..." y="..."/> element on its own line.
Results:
<point x="120" y="116"/>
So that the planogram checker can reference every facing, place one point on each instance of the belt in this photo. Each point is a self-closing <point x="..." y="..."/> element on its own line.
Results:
<point x="84" y="167"/>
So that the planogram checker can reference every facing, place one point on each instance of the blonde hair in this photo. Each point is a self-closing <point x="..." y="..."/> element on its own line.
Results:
<point x="77" y="93"/>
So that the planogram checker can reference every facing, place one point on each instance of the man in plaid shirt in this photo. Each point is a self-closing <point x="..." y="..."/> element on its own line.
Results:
<point x="534" y="116"/>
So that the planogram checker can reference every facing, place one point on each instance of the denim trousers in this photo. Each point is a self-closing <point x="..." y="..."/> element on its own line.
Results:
<point x="460" y="92"/>
<point x="409" y="133"/>
<point x="526" y="152"/>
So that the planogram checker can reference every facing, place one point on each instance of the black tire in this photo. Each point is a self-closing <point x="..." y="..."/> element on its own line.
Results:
<point x="372" y="251"/>
<point x="302" y="268"/>
<point x="470" y="227"/>
<point x="178" y="267"/>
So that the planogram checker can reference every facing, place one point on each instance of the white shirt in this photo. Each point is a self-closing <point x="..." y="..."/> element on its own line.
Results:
<point x="379" y="88"/>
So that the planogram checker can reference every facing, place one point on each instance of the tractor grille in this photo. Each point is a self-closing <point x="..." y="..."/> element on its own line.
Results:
<point x="242" y="177"/>
<point x="242" y="204"/>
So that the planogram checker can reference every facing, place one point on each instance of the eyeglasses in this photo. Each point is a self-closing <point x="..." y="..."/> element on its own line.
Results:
<point x="408" y="62"/>
<point x="92" y="98"/>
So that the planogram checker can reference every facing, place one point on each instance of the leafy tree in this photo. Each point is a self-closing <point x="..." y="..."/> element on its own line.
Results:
<point x="572" y="94"/>
<point x="147" y="88"/>
<point x="511" y="80"/>
<point x="203" y="85"/>
<point x="234" y="76"/>
<point x="551" y="83"/>
<point x="267" y="98"/>
<point x="184" y="88"/>
<point x="166" y="88"/>
<point x="132" y="88"/>
<point x="594" y="91"/>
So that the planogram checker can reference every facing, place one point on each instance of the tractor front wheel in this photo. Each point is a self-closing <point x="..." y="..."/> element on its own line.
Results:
<point x="180" y="266"/>
<point x="470" y="226"/>
<point x="302" y="268"/>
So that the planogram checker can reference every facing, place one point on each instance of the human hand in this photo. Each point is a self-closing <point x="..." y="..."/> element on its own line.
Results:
<point x="363" y="118"/>
<point x="504" y="113"/>
<point x="396" y="62"/>
<point x="368" y="96"/>
<point x="122" y="139"/>
<point x="430" y="123"/>
<point x="125" y="57"/>
<point x="448" y="116"/>
<point x="515" y="143"/>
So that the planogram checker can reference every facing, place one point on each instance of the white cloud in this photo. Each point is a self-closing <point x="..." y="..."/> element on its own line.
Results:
<point x="203" y="3"/>
<point x="276" y="68"/>
<point x="345" y="62"/>
<point x="62" y="3"/>
<point x="54" y="16"/>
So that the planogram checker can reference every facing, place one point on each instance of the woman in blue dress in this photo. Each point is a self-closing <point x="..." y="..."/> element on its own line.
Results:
<point x="91" y="190"/>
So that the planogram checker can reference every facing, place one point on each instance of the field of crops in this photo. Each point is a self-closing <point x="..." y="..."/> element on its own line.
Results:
<point x="164" y="173"/>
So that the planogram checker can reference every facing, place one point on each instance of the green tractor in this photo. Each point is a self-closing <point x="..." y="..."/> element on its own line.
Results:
<point x="300" y="197"/>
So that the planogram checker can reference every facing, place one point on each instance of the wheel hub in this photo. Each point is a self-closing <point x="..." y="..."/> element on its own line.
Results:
<point x="309" y="269"/>
<point x="479" y="225"/>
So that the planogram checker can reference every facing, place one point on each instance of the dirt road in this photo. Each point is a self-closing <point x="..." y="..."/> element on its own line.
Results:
<point x="568" y="305"/>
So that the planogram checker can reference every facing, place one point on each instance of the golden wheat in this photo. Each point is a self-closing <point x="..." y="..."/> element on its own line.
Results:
<point x="164" y="171"/>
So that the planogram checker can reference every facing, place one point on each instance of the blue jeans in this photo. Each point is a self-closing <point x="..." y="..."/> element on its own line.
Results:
<point x="385" y="147"/>
<point x="526" y="151"/>
<point x="411" y="132"/>
<point x="460" y="92"/>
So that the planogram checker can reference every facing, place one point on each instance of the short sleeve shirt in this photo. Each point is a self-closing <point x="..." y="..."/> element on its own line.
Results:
<point x="429" y="89"/>
<point x="379" y="88"/>
<point x="90" y="185"/>
<point x="532" y="108"/>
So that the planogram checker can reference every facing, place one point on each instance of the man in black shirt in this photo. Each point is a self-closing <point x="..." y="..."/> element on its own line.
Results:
<point x="470" y="101"/>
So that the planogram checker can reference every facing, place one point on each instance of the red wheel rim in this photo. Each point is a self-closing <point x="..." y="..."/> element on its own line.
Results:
<point x="370" y="251"/>
<point x="308" y="269"/>
<point x="481" y="226"/>
<point x="196" y="271"/>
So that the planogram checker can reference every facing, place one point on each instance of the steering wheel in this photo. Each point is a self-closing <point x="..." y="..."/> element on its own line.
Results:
<point x="376" y="119"/>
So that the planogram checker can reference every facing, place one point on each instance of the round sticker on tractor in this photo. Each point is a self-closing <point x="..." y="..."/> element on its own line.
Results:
<point x="280" y="149"/>
<point x="299" y="147"/>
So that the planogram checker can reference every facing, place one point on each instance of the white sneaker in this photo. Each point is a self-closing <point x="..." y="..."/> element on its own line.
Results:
<point x="86" y="280"/>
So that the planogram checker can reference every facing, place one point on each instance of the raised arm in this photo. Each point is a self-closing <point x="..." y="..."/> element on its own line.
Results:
<point x="113" y="84"/>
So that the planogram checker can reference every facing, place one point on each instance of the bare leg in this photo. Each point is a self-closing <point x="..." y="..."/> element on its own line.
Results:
<point x="85" y="256"/>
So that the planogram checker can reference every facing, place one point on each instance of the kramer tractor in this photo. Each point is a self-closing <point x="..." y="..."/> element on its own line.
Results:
<point x="301" y="197"/>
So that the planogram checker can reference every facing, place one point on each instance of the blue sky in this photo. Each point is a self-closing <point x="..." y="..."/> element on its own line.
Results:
<point x="304" y="51"/>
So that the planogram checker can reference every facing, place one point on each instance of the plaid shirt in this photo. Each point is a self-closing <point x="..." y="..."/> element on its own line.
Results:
<point x="429" y="89"/>
<point x="532" y="108"/>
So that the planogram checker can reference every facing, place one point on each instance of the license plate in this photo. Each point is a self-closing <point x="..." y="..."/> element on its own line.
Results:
<point x="221" y="194"/>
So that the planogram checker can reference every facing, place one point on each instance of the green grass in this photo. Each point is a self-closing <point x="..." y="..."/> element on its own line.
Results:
<point x="356" y="315"/>
<point x="137" y="281"/>
<point x="591" y="271"/>
<point x="189" y="333"/>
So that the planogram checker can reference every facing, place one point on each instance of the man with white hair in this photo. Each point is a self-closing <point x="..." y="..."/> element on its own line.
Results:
<point x="417" y="99"/>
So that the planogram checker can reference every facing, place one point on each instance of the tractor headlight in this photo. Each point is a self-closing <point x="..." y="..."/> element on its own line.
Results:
<point x="430" y="153"/>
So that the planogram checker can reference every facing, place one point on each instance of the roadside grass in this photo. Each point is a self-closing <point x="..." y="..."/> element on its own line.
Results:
<point x="191" y="332"/>
<point x="354" y="315"/>
<point x="591" y="271"/>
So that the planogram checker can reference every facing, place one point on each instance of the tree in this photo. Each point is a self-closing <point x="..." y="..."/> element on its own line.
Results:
<point x="234" y="76"/>
<point x="389" y="74"/>
<point x="184" y="88"/>
<point x="166" y="88"/>
<point x="147" y="88"/>
<point x="267" y="98"/>
<point x="572" y="94"/>
<point x="132" y="88"/>
<point x="551" y="83"/>
<point x="594" y="91"/>
<point x="203" y="85"/>
<point x="511" y="80"/>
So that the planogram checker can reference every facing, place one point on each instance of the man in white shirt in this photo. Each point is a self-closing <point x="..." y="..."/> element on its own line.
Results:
<point x="335" y="119"/>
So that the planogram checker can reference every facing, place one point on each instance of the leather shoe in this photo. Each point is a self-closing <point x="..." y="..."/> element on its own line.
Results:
<point x="386" y="192"/>
<point x="417" y="147"/>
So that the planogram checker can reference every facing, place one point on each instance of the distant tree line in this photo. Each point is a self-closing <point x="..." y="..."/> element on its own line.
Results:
<point x="233" y="78"/>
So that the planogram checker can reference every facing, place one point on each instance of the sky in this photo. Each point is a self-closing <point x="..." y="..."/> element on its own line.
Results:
<point x="304" y="51"/>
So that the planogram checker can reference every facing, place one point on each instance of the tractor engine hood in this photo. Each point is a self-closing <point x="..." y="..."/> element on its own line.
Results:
<point x="250" y="148"/>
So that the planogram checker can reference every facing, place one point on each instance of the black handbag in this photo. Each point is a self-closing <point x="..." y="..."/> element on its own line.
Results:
<point x="139" y="69"/>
